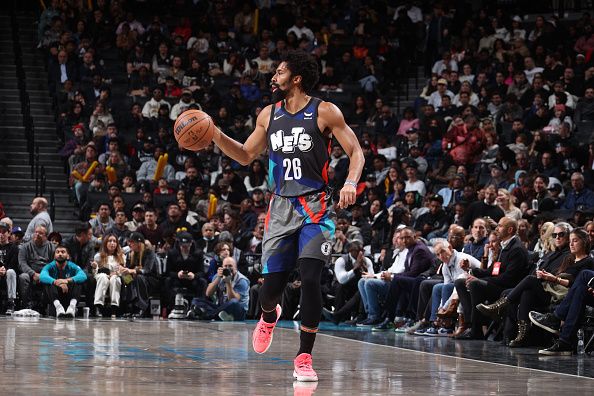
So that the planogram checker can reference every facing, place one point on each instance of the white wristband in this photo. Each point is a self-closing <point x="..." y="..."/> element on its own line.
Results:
<point x="350" y="183"/>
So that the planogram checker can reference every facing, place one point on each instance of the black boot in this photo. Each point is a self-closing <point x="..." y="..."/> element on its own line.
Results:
<point x="494" y="311"/>
<point x="522" y="337"/>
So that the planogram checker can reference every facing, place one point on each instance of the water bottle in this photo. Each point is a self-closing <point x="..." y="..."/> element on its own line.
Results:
<point x="580" y="345"/>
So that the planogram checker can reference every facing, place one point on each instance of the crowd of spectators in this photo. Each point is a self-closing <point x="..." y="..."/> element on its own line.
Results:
<point x="481" y="189"/>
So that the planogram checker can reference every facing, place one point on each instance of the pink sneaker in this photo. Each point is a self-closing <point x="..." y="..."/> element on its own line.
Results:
<point x="262" y="335"/>
<point x="303" y="370"/>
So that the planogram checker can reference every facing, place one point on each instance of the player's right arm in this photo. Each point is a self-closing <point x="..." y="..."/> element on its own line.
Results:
<point x="254" y="145"/>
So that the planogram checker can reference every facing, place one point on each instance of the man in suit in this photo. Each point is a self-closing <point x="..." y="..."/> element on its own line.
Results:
<point x="60" y="70"/>
<point x="418" y="260"/>
<point x="488" y="284"/>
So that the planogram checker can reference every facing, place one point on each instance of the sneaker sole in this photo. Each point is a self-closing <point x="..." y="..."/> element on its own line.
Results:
<point x="549" y="353"/>
<point x="278" y="315"/>
<point x="547" y="328"/>
<point x="303" y="378"/>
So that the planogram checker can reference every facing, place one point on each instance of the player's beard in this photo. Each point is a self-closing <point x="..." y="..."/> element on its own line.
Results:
<point x="278" y="94"/>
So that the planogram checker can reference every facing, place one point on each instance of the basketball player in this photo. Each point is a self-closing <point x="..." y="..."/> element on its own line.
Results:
<point x="297" y="130"/>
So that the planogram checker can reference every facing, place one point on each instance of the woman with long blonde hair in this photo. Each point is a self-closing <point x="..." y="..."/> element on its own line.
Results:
<point x="545" y="243"/>
<point x="106" y="266"/>
<point x="504" y="201"/>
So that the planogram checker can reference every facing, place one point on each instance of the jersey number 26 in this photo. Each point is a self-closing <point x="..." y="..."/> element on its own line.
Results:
<point x="292" y="168"/>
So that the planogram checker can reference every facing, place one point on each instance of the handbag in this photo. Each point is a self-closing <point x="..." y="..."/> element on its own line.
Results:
<point x="557" y="291"/>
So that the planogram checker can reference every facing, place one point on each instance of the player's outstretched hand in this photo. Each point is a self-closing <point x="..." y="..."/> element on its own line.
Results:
<point x="348" y="195"/>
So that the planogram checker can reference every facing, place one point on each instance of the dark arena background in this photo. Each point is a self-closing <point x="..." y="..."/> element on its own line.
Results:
<point x="476" y="120"/>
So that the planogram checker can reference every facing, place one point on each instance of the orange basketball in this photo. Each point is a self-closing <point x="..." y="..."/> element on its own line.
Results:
<point x="193" y="130"/>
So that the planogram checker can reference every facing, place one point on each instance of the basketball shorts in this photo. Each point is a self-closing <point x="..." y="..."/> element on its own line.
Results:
<point x="297" y="227"/>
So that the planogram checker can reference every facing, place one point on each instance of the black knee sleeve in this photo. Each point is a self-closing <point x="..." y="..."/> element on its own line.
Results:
<point x="311" y="291"/>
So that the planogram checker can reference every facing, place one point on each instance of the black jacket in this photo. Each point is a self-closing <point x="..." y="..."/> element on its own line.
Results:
<point x="194" y="263"/>
<point x="514" y="266"/>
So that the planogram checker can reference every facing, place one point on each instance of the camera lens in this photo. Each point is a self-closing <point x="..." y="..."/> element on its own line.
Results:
<point x="226" y="272"/>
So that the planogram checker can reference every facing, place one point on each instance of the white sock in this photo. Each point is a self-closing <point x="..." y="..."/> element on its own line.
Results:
<point x="73" y="303"/>
<point x="57" y="304"/>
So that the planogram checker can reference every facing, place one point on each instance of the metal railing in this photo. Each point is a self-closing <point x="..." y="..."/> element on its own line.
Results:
<point x="37" y="170"/>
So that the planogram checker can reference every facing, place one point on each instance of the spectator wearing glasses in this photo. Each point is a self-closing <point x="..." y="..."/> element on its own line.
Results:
<point x="538" y="290"/>
<point x="570" y="311"/>
<point x="151" y="108"/>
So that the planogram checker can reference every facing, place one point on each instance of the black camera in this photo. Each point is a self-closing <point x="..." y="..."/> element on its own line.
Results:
<point x="226" y="272"/>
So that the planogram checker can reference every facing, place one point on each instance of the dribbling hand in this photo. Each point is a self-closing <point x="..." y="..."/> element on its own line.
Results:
<point x="348" y="194"/>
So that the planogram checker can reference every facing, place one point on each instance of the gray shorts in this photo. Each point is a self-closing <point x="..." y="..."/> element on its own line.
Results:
<point x="297" y="227"/>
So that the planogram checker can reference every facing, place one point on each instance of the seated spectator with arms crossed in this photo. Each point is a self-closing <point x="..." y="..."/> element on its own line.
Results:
<point x="61" y="280"/>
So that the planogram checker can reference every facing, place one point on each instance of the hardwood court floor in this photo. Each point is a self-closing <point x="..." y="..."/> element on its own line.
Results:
<point x="183" y="358"/>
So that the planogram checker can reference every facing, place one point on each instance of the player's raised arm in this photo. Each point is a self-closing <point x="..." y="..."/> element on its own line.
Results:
<point x="254" y="145"/>
<point x="334" y="121"/>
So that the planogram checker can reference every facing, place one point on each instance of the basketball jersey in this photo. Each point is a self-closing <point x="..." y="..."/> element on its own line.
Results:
<point x="298" y="151"/>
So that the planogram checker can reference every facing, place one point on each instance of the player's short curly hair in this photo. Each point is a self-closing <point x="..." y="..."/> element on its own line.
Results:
<point x="300" y="63"/>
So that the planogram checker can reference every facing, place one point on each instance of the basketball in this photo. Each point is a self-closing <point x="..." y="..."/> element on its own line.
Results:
<point x="193" y="130"/>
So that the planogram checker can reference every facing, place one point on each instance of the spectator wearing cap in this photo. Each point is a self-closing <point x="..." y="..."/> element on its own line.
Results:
<point x="209" y="240"/>
<point x="412" y="182"/>
<point x="434" y="223"/>
<point x="41" y="217"/>
<point x="151" y="108"/>
<point x="442" y="89"/>
<point x="148" y="168"/>
<point x="185" y="267"/>
<point x="485" y="208"/>
<point x="139" y="276"/>
<point x="113" y="146"/>
<point x="33" y="256"/>
<point x="498" y="177"/>
<point x="16" y="235"/>
<point x="453" y="192"/>
<point x="579" y="194"/>
<point x="137" y="217"/>
<point x="9" y="265"/>
<point x="184" y="103"/>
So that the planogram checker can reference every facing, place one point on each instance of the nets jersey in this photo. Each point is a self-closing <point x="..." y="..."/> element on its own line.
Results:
<point x="298" y="151"/>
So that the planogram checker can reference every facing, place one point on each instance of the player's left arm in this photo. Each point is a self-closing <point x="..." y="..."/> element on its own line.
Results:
<point x="333" y="121"/>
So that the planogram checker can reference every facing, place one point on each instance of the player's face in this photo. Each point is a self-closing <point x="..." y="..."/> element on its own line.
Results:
<point x="281" y="82"/>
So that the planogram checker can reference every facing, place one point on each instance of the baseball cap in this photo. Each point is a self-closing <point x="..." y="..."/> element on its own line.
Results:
<point x="436" y="197"/>
<point x="4" y="225"/>
<point x="184" y="237"/>
<point x="136" y="237"/>
<point x="186" y="91"/>
<point x="17" y="230"/>
<point x="495" y="166"/>
<point x="138" y="208"/>
<point x="442" y="81"/>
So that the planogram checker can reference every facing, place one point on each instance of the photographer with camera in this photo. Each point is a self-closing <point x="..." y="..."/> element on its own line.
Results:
<point x="229" y="290"/>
